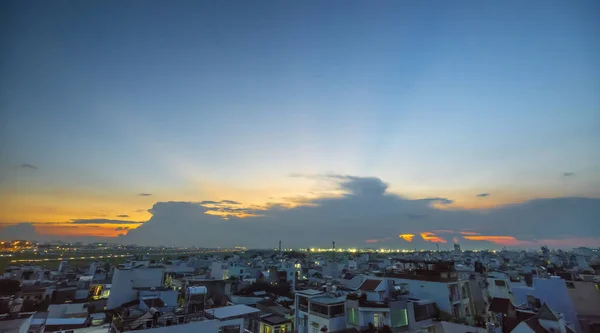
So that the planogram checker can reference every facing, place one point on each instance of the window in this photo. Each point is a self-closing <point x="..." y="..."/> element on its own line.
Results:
<point x="399" y="317"/>
<point x="424" y="311"/>
<point x="377" y="320"/>
<point x="353" y="316"/>
<point x="267" y="329"/>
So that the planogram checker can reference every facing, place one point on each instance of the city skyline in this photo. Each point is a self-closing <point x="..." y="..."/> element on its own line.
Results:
<point x="399" y="124"/>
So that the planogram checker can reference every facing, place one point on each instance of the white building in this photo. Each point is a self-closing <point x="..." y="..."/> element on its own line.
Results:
<point x="545" y="321"/>
<point x="126" y="280"/>
<point x="316" y="310"/>
<point x="219" y="270"/>
<point x="450" y="294"/>
<point x="551" y="291"/>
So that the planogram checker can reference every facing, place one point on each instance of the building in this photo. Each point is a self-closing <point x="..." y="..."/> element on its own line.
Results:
<point x="545" y="321"/>
<point x="126" y="282"/>
<point x="316" y="310"/>
<point x="436" y="281"/>
<point x="585" y="296"/>
<point x="552" y="291"/>
<point x="219" y="270"/>
<point x="275" y="324"/>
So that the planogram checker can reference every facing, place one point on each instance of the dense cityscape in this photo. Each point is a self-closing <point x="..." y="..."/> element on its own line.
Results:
<point x="88" y="288"/>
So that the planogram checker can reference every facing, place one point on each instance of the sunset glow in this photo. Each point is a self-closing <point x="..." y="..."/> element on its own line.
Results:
<point x="407" y="237"/>
<point x="431" y="237"/>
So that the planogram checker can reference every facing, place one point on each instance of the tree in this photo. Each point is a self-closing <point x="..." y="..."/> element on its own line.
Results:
<point x="9" y="287"/>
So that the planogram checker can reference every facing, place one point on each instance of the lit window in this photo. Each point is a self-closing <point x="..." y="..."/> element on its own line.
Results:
<point x="353" y="316"/>
<point x="399" y="317"/>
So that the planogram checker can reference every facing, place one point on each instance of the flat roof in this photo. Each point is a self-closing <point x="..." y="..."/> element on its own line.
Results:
<point x="65" y="321"/>
<point x="327" y="300"/>
<point x="310" y="292"/>
<point x="233" y="311"/>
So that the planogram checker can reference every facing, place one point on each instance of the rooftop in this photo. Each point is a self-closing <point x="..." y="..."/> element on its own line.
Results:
<point x="370" y="285"/>
<point x="233" y="311"/>
<point x="309" y="292"/>
<point x="275" y="319"/>
<point x="327" y="300"/>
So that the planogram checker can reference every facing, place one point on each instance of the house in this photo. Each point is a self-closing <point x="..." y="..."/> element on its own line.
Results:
<point x="585" y="296"/>
<point x="126" y="280"/>
<point x="433" y="280"/>
<point x="551" y="290"/>
<point x="275" y="324"/>
<point x="545" y="321"/>
<point x="316" y="310"/>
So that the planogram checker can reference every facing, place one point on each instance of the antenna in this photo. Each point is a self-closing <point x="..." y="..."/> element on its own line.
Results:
<point x="438" y="246"/>
<point x="280" y="256"/>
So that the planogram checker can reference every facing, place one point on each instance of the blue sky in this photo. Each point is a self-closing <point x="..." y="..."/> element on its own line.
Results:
<point x="215" y="100"/>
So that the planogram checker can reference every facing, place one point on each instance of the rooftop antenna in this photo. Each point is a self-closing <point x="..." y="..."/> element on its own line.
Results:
<point x="438" y="246"/>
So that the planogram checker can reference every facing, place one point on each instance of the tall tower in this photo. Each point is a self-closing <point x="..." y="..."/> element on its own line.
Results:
<point x="280" y="254"/>
<point x="333" y="250"/>
<point x="456" y="248"/>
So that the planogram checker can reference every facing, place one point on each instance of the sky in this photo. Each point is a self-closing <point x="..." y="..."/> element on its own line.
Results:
<point x="122" y="115"/>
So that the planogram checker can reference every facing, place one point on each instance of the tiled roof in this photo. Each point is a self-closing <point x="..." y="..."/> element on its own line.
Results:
<point x="370" y="285"/>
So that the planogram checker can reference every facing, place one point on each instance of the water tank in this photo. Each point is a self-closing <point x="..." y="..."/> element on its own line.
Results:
<point x="196" y="290"/>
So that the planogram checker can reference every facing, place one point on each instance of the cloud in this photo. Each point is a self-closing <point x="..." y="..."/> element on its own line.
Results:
<point x="18" y="231"/>
<point x="121" y="228"/>
<point x="230" y="202"/>
<point x="144" y="194"/>
<point x="29" y="231"/>
<point x="367" y="209"/>
<point x="141" y="210"/>
<point x="440" y="201"/>
<point x="407" y="237"/>
<point x="208" y="202"/>
<point x="29" y="166"/>
<point x="123" y="215"/>
<point x="455" y="240"/>
<point x="432" y="237"/>
<point x="501" y="240"/>
<point x="483" y="195"/>
<point x="568" y="174"/>
<point x="103" y="221"/>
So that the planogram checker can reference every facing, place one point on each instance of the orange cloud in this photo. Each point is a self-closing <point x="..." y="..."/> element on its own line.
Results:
<point x="407" y="237"/>
<point x="455" y="239"/>
<point x="471" y="233"/>
<point x="501" y="240"/>
<point x="431" y="237"/>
